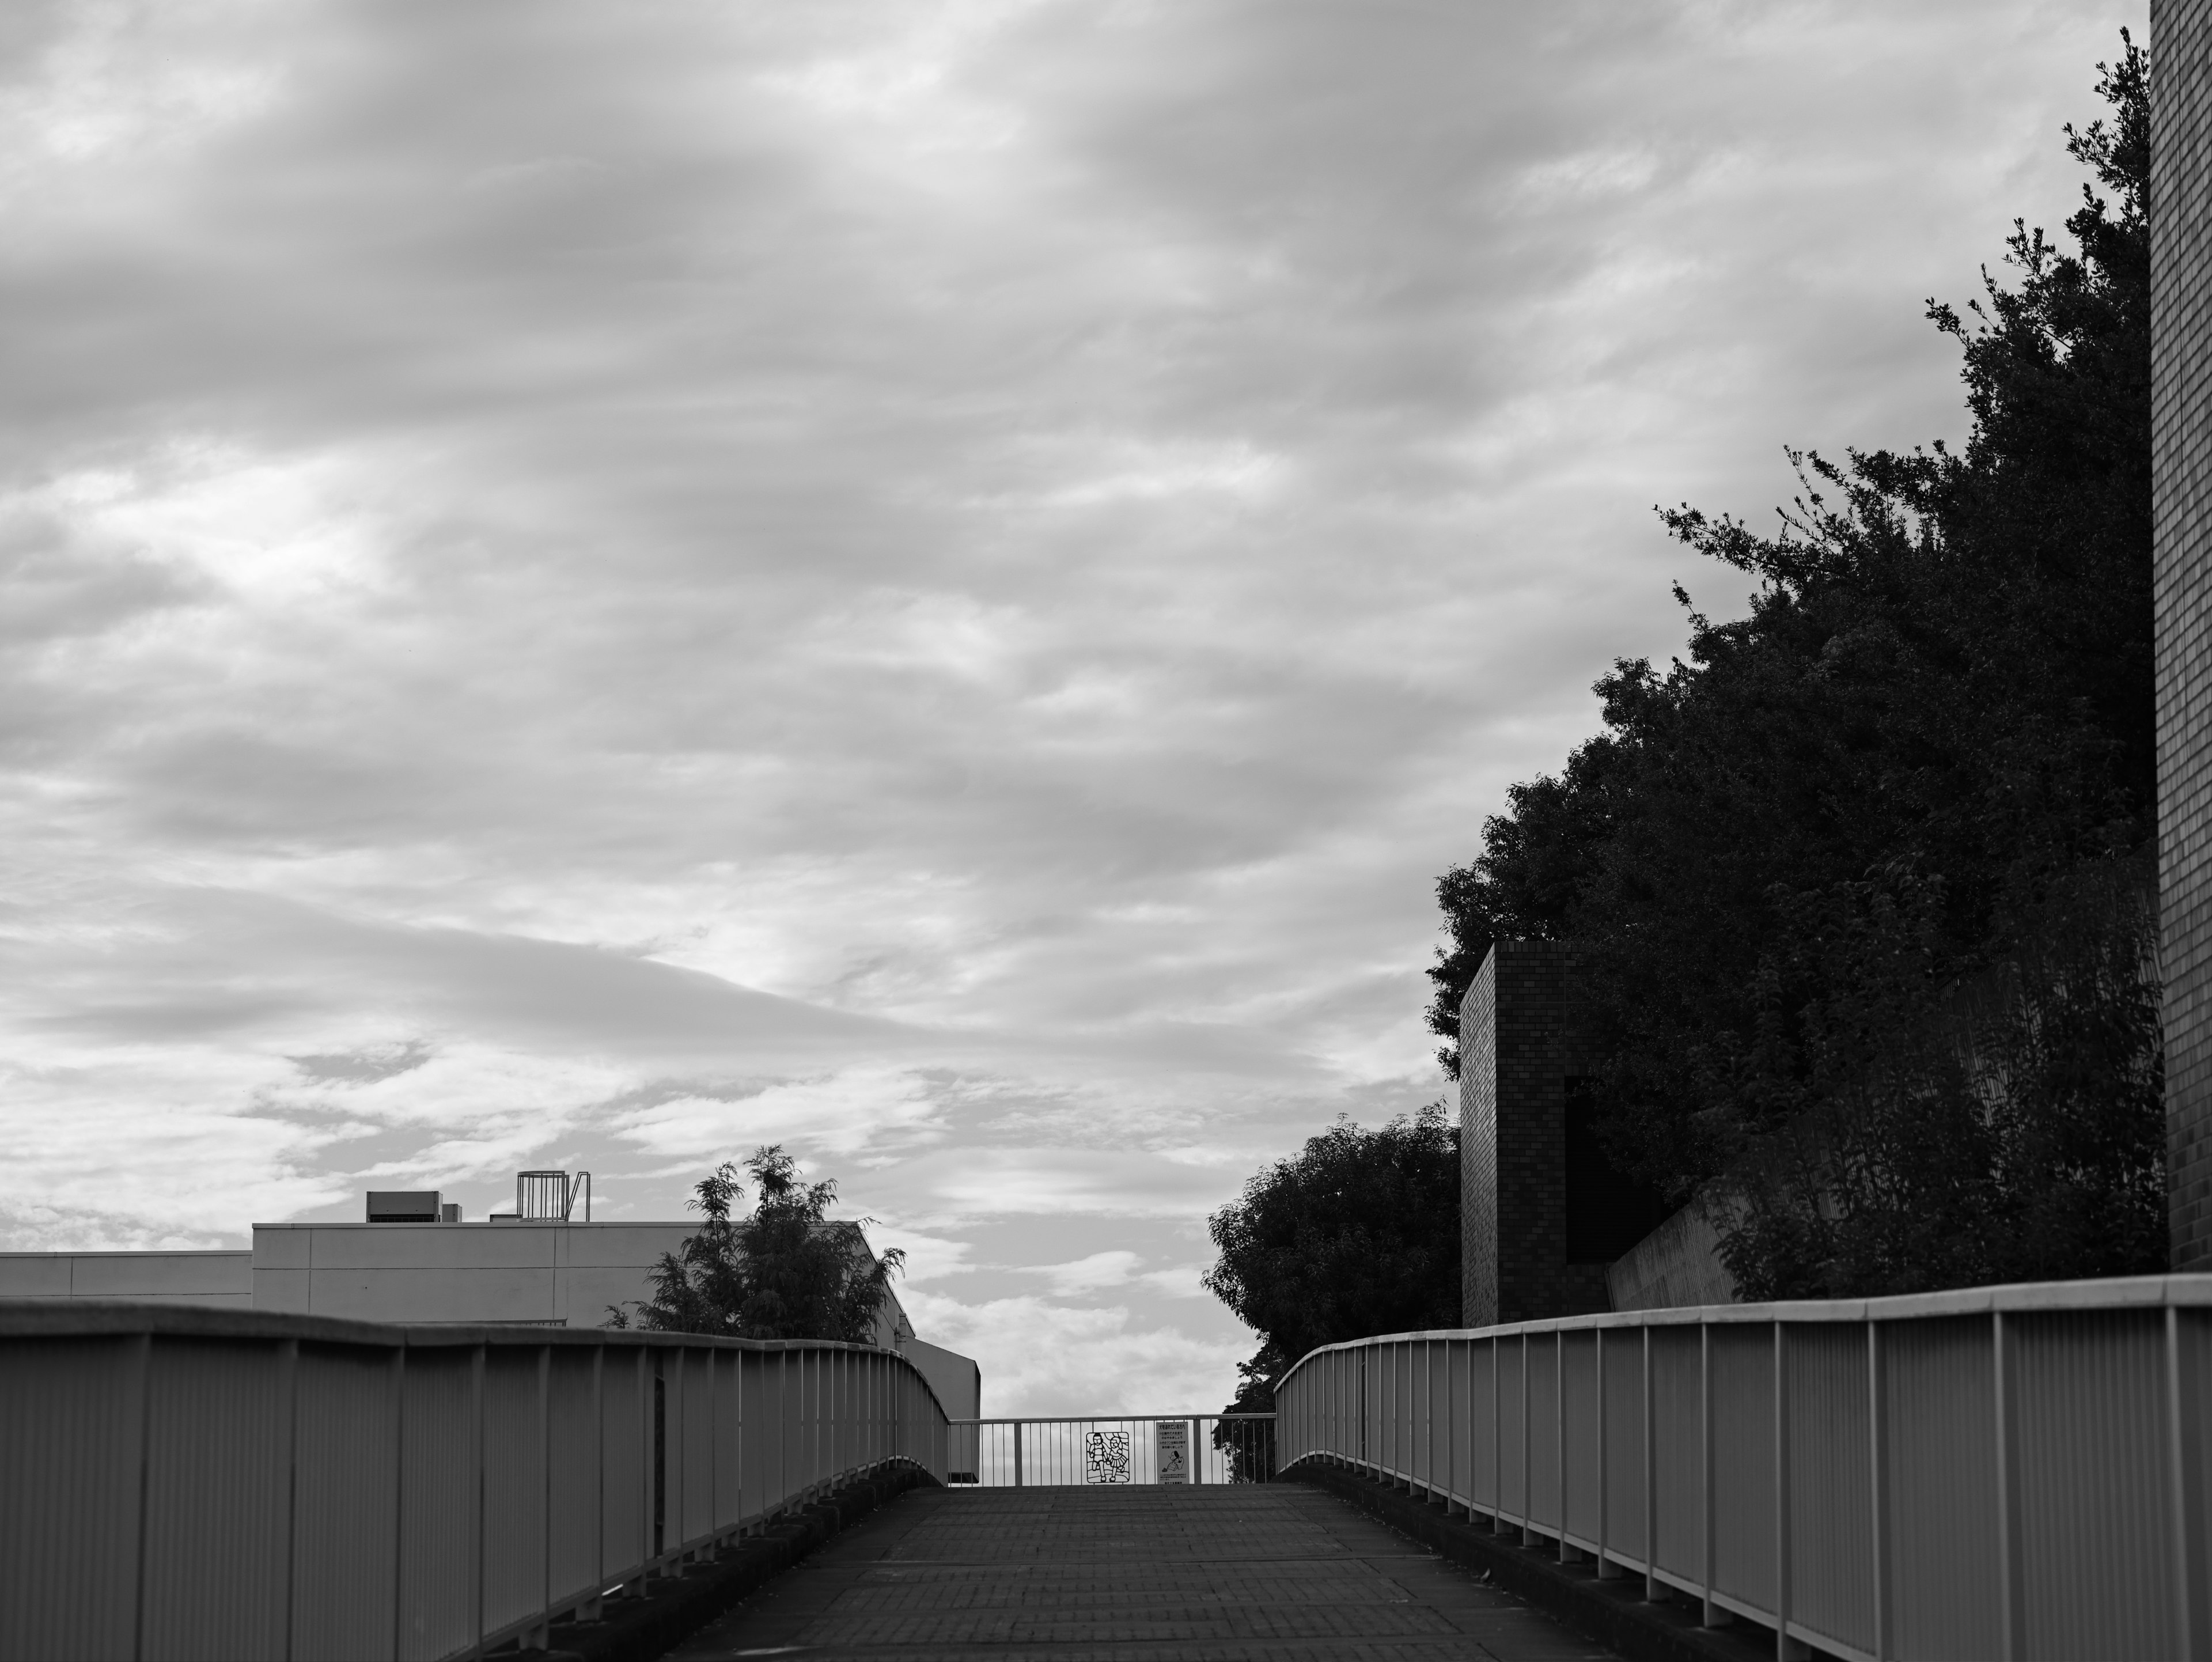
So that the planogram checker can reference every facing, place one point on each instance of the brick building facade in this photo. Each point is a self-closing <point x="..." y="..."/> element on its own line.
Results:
<point x="1519" y="1058"/>
<point x="2181" y="407"/>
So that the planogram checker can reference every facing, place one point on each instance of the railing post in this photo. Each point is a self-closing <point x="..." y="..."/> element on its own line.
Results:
<point x="1018" y="1454"/>
<point x="1197" y="1458"/>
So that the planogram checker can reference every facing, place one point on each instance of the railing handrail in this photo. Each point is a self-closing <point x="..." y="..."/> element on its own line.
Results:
<point x="2115" y="1292"/>
<point x="63" y="1318"/>
<point x="223" y="1481"/>
<point x="1105" y="1419"/>
<point x="1791" y="1461"/>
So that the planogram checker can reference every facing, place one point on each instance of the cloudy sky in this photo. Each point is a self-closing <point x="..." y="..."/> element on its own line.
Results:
<point x="599" y="585"/>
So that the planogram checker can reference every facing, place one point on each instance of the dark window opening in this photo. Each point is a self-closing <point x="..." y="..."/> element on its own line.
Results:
<point x="1608" y="1211"/>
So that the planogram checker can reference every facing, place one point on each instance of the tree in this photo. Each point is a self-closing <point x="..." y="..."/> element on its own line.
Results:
<point x="785" y="1272"/>
<point x="1783" y="858"/>
<point x="1355" y="1234"/>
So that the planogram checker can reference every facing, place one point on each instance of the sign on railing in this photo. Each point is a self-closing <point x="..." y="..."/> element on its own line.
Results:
<point x="1165" y="1448"/>
<point x="2002" y="1473"/>
<point x="183" y="1482"/>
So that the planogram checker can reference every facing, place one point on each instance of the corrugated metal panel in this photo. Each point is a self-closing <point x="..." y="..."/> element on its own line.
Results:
<point x="1457" y="1396"/>
<point x="513" y="1485"/>
<point x="778" y="1429"/>
<point x="1624" y="1442"/>
<point x="803" y="1383"/>
<point x="1415" y="1447"/>
<point x="1578" y="1383"/>
<point x="1513" y="1496"/>
<point x="1382" y="1406"/>
<point x="1352" y="1402"/>
<point x="1421" y="1363"/>
<point x="1677" y="1454"/>
<point x="2193" y="1360"/>
<point x="71" y="1418"/>
<point x="345" y="1530"/>
<point x="1743" y="1463"/>
<point x="758" y="1447"/>
<point x="729" y="1442"/>
<point x="696" y="1449"/>
<point x="575" y="1512"/>
<point x="439" y="1474"/>
<point x="1482" y="1425"/>
<point x="1938" y="1375"/>
<point x="840" y="1410"/>
<point x="218" y="1501"/>
<point x="625" y="1437"/>
<point x="1543" y="1430"/>
<point x="1830" y="1483"/>
<point x="2088" y="1401"/>
<point x="668" y="1479"/>
<point x="1374" y="1404"/>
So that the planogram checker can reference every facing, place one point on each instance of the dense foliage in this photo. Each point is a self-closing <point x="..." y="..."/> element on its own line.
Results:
<point x="1356" y="1233"/>
<point x="785" y="1272"/>
<point x="1860" y="887"/>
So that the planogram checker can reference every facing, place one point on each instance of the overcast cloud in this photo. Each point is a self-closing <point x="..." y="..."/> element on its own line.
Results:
<point x="604" y="584"/>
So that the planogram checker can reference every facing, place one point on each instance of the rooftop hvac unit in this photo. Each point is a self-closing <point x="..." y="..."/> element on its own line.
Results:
<point x="407" y="1206"/>
<point x="551" y="1196"/>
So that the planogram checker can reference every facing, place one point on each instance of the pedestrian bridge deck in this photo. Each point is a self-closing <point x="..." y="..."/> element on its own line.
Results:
<point x="1140" y="1574"/>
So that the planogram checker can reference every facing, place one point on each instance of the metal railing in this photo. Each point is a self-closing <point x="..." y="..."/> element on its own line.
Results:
<point x="193" y="1482"/>
<point x="2007" y="1472"/>
<point x="1109" y="1449"/>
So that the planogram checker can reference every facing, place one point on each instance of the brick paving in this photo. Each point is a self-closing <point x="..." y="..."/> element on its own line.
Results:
<point x="1142" y="1575"/>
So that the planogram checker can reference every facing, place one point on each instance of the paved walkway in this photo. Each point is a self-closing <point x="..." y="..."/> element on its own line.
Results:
<point x="1146" y="1574"/>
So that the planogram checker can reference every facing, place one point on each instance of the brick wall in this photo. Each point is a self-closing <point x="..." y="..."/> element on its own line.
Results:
<point x="1517" y="1049"/>
<point x="2181" y="405"/>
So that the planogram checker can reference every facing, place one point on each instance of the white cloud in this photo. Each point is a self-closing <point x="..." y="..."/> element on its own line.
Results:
<point x="932" y="583"/>
<point x="1044" y="1358"/>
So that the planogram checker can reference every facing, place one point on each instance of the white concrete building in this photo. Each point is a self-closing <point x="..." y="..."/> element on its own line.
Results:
<point x="222" y="1279"/>
<point x="519" y="1271"/>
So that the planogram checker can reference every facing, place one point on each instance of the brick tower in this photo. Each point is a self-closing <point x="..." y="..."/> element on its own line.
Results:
<point x="2181" y="507"/>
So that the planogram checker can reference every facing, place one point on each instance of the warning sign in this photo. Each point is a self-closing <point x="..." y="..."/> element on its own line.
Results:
<point x="1172" y="1438"/>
